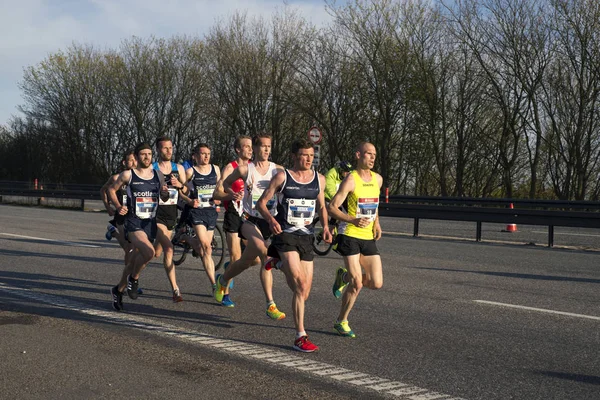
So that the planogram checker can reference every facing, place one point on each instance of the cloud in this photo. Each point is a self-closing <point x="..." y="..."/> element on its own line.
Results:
<point x="33" y="29"/>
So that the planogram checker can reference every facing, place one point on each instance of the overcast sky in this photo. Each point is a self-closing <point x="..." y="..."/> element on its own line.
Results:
<point x="32" y="29"/>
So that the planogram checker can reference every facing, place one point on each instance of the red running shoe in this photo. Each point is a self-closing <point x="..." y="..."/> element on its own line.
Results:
<point x="304" y="345"/>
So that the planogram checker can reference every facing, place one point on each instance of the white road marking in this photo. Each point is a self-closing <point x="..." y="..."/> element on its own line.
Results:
<point x="322" y="370"/>
<point x="544" y="310"/>
<point x="75" y="244"/>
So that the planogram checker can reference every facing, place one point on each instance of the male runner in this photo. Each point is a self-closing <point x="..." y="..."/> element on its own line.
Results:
<point x="357" y="232"/>
<point x="202" y="213"/>
<point x="144" y="187"/>
<point x="115" y="226"/>
<point x="256" y="176"/>
<point x="300" y="196"/>
<point x="232" y="219"/>
<point x="166" y="215"/>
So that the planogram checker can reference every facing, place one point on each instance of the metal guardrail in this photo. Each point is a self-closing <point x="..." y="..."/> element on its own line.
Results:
<point x="550" y="213"/>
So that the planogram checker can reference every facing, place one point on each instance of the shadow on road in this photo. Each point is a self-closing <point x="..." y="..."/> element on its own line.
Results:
<point x="591" y="379"/>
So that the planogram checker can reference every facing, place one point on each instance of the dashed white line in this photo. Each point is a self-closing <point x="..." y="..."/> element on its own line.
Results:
<point x="322" y="370"/>
<point x="74" y="244"/>
<point x="543" y="310"/>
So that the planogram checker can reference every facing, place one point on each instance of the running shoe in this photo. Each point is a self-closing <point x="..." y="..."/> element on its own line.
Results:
<point x="177" y="296"/>
<point x="343" y="329"/>
<point x="140" y="291"/>
<point x="218" y="290"/>
<point x="273" y="263"/>
<point x="227" y="302"/>
<point x="110" y="230"/>
<point x="304" y="345"/>
<point x="274" y="313"/>
<point x="339" y="284"/>
<point x="117" y="298"/>
<point x="132" y="287"/>
<point x="225" y="268"/>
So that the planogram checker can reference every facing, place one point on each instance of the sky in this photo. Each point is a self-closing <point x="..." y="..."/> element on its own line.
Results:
<point x="30" y="30"/>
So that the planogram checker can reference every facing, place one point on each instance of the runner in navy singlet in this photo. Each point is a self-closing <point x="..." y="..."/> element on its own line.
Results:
<point x="300" y="197"/>
<point x="144" y="188"/>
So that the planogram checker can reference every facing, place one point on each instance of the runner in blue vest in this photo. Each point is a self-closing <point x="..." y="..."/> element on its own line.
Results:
<point x="166" y="215"/>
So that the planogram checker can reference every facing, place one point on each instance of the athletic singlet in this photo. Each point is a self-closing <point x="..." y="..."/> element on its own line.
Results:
<point x="204" y="187"/>
<point x="143" y="195"/>
<point x="255" y="186"/>
<point x="237" y="186"/>
<point x="173" y="192"/>
<point x="296" y="205"/>
<point x="361" y="203"/>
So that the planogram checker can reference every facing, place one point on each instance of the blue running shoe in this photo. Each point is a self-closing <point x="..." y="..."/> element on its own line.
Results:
<point x="227" y="302"/>
<point x="224" y="269"/>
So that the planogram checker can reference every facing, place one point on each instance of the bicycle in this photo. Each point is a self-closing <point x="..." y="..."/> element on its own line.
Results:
<point x="181" y="249"/>
<point x="320" y="246"/>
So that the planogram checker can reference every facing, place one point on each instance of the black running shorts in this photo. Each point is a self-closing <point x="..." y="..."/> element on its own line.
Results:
<point x="284" y="242"/>
<point x="167" y="216"/>
<point x="232" y="222"/>
<point x="349" y="246"/>
<point x="261" y="224"/>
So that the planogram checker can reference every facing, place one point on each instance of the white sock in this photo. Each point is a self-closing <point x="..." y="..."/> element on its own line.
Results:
<point x="300" y="334"/>
<point x="269" y="303"/>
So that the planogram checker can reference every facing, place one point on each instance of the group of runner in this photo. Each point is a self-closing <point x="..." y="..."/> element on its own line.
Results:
<point x="270" y="208"/>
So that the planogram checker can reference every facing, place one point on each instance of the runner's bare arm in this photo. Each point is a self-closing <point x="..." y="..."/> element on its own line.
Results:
<point x="261" y="204"/>
<point x="346" y="187"/>
<point x="104" y="194"/>
<point x="322" y="210"/>
<point x="123" y="179"/>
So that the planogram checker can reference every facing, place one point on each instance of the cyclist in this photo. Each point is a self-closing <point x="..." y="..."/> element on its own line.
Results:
<point x="334" y="177"/>
<point x="358" y="232"/>
<point x="256" y="177"/>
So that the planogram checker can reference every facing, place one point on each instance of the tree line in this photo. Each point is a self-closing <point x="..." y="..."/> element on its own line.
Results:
<point x="478" y="98"/>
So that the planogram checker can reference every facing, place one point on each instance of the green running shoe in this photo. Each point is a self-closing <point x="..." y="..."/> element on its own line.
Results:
<point x="343" y="329"/>
<point x="274" y="313"/>
<point x="339" y="284"/>
<point x="219" y="291"/>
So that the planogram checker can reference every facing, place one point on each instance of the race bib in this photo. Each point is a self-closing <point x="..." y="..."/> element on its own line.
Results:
<point x="301" y="212"/>
<point x="205" y="197"/>
<point x="145" y="207"/>
<point x="173" y="197"/>
<point x="271" y="205"/>
<point x="124" y="200"/>
<point x="367" y="208"/>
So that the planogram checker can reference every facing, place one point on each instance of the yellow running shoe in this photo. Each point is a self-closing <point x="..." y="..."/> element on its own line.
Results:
<point x="274" y="313"/>
<point x="339" y="284"/>
<point x="343" y="329"/>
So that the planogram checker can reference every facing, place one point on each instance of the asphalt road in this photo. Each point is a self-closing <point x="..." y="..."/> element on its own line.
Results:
<point x="455" y="319"/>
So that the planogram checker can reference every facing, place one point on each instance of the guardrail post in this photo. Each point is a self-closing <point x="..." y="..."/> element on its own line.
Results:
<point x="550" y="235"/>
<point x="416" y="228"/>
<point x="82" y="204"/>
<point x="478" y="235"/>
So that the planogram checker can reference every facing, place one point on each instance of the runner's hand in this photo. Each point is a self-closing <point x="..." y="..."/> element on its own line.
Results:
<point x="196" y="203"/>
<point x="361" y="222"/>
<point x="377" y="231"/>
<point x="111" y="212"/>
<point x="122" y="210"/>
<point x="327" y="237"/>
<point x="275" y="227"/>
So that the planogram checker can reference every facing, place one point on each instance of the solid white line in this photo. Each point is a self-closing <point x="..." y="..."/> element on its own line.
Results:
<point x="296" y="362"/>
<point x="75" y="244"/>
<point x="544" y="310"/>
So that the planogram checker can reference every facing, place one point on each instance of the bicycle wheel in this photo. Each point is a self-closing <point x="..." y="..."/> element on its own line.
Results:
<point x="320" y="246"/>
<point x="180" y="251"/>
<point x="218" y="247"/>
